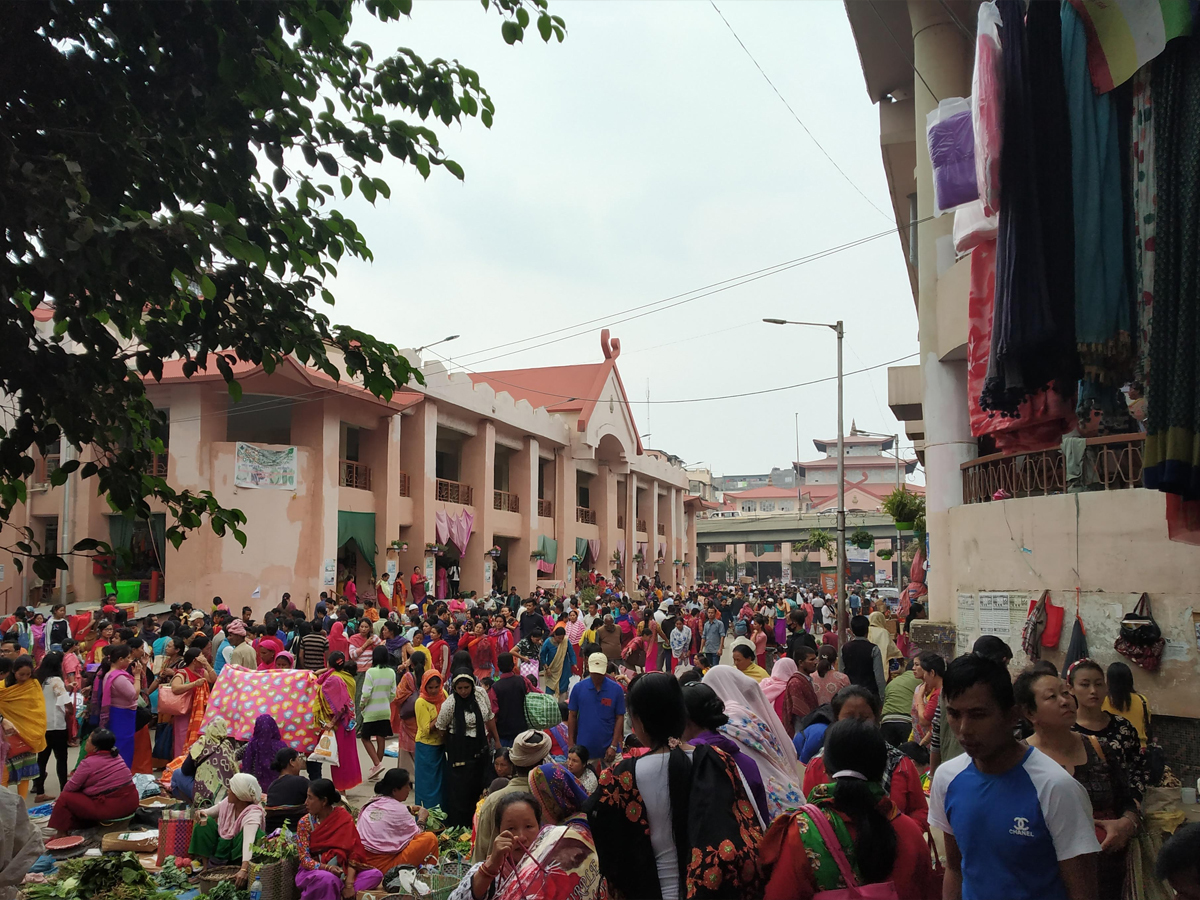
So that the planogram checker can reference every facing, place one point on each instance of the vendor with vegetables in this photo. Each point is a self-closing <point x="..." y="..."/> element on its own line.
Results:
<point x="100" y="788"/>
<point x="227" y="838"/>
<point x="391" y="830"/>
<point x="331" y="853"/>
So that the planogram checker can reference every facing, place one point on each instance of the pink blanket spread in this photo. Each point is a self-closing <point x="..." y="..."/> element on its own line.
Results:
<point x="288" y="696"/>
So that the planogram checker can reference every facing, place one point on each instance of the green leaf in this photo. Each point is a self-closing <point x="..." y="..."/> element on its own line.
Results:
<point x="510" y="31"/>
<point x="454" y="168"/>
<point x="523" y="17"/>
<point x="235" y="391"/>
<point x="544" y="26"/>
<point x="208" y="288"/>
<point x="347" y="186"/>
<point x="367" y="188"/>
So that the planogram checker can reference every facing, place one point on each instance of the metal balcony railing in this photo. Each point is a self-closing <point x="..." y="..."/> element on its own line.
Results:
<point x="586" y="516"/>
<point x="454" y="492"/>
<point x="662" y="529"/>
<point x="545" y="509"/>
<point x="507" y="502"/>
<point x="404" y="485"/>
<point x="641" y="524"/>
<point x="1112" y="462"/>
<point x="158" y="465"/>
<point x="354" y="475"/>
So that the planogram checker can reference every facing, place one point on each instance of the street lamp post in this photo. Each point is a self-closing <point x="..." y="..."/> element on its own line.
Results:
<point x="837" y="328"/>
<point x="452" y="337"/>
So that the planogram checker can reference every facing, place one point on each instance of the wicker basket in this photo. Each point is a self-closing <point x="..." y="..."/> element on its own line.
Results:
<point x="279" y="879"/>
<point x="210" y="878"/>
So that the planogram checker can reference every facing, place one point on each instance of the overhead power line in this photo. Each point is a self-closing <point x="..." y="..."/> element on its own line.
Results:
<point x="799" y="121"/>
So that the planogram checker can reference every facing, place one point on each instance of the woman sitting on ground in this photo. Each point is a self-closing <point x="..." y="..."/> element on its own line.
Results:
<point x="100" y="789"/>
<point x="287" y="793"/>
<point x="208" y="766"/>
<point x="391" y="830"/>
<point x="332" y="860"/>
<point x="225" y="833"/>
<point x="873" y="838"/>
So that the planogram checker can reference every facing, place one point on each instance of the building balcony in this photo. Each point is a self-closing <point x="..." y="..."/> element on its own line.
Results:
<point x="403" y="484"/>
<point x="662" y="529"/>
<point x="354" y="475"/>
<point x="49" y="463"/>
<point x="506" y="502"/>
<point x="585" y="515"/>
<point x="454" y="492"/>
<point x="1112" y="462"/>
<point x="157" y="467"/>
<point x="641" y="524"/>
<point x="620" y="523"/>
<point x="545" y="509"/>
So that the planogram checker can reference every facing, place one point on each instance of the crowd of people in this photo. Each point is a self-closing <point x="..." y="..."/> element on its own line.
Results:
<point x="762" y="753"/>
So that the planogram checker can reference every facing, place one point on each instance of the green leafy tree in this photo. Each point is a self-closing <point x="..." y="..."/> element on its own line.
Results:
<point x="169" y="180"/>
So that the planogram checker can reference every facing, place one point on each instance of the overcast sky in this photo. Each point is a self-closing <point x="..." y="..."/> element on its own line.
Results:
<point x="642" y="158"/>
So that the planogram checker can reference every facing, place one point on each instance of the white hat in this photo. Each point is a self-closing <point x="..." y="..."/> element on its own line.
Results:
<point x="597" y="663"/>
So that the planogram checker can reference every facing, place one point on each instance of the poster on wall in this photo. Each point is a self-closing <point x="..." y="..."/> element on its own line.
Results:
<point x="487" y="574"/>
<point x="330" y="573"/>
<point x="994" y="613"/>
<point x="857" y="554"/>
<point x="829" y="583"/>
<point x="258" y="467"/>
<point x="785" y="575"/>
<point x="392" y="568"/>
<point x="430" y="575"/>
<point x="966" y="613"/>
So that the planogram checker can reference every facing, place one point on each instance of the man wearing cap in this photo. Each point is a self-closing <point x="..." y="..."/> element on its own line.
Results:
<point x="240" y="653"/>
<point x="527" y="753"/>
<point x="597" y="712"/>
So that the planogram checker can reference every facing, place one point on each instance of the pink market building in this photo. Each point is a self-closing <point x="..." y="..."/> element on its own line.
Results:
<point x="521" y="478"/>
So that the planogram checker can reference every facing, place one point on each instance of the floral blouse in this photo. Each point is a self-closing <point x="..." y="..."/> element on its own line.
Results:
<point x="1126" y="750"/>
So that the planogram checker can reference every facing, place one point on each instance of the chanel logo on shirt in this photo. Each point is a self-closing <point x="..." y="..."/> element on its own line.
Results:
<point x="1020" y="827"/>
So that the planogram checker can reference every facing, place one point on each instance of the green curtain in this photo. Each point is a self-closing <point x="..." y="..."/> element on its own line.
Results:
<point x="548" y="547"/>
<point x="158" y="534"/>
<point x="120" y="533"/>
<point x="581" y="548"/>
<point x="360" y="528"/>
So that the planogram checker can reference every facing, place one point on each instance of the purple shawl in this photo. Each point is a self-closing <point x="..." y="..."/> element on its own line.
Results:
<point x="261" y="750"/>
<point x="747" y="766"/>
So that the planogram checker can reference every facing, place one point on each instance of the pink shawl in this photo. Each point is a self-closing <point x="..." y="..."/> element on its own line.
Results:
<point x="230" y="826"/>
<point x="774" y="686"/>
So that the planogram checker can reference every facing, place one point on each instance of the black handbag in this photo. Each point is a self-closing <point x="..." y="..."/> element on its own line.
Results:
<point x="1140" y="639"/>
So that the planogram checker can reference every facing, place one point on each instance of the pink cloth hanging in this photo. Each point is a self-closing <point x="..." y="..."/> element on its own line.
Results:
<point x="621" y="550"/>
<point x="441" y="526"/>
<point x="461" y="528"/>
<point x="594" y="550"/>
<point x="662" y="549"/>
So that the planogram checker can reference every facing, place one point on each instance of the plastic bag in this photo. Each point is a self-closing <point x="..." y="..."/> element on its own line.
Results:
<point x="972" y="227"/>
<point x="326" y="750"/>
<point x="987" y="103"/>
<point x="951" y="140"/>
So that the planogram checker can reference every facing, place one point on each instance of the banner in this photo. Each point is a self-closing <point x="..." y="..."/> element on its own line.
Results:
<point x="257" y="467"/>
<point x="857" y="554"/>
<point x="240" y="696"/>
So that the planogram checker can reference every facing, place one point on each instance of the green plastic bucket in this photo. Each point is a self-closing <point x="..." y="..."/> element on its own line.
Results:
<point x="128" y="591"/>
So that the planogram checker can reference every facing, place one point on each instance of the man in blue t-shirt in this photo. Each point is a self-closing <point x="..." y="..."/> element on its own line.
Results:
<point x="1017" y="825"/>
<point x="597" y="712"/>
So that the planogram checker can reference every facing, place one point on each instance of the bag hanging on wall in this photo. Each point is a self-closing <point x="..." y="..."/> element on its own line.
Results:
<point x="1077" y="648"/>
<point x="1035" y="627"/>
<point x="1140" y="639"/>
<point x="1054" y="623"/>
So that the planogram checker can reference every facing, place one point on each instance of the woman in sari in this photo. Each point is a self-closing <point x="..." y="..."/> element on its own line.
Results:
<point x="482" y="648"/>
<point x="774" y="686"/>
<point x="225" y="832"/>
<point x="429" y="758"/>
<point x="754" y="726"/>
<point x="101" y="787"/>
<point x="268" y="648"/>
<point x="118" y="706"/>
<point x="23" y="710"/>
<point x="466" y="721"/>
<point x="260" y="752"/>
<point x="649" y="631"/>
<point x="404" y="718"/>
<point x="337" y="639"/>
<point x="194" y="678"/>
<point x="878" y="635"/>
<point x="209" y="765"/>
<point x="575" y="631"/>
<point x="332" y="863"/>
<point x="439" y="651"/>
<point x="337" y="698"/>
<point x="392" y="831"/>
<point x="417" y="582"/>
<point x="556" y="660"/>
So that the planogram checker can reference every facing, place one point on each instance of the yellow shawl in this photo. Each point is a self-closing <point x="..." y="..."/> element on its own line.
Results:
<point x="24" y="706"/>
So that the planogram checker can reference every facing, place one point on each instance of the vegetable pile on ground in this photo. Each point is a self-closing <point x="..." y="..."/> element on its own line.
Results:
<point x="455" y="840"/>
<point x="112" y="877"/>
<point x="270" y="850"/>
<point x="172" y="876"/>
<point x="227" y="890"/>
<point x="436" y="820"/>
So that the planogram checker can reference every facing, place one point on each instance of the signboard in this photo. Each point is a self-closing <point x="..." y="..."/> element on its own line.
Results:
<point x="487" y="575"/>
<point x="829" y="583"/>
<point x="994" y="613"/>
<point x="257" y="467"/>
<point x="392" y="566"/>
<point x="330" y="573"/>
<point x="430" y="576"/>
<point x="785" y="576"/>
<point x="966" y="613"/>
<point x="857" y="554"/>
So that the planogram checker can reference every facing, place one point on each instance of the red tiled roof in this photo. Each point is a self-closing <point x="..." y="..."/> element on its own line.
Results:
<point x="288" y="368"/>
<point x="770" y="492"/>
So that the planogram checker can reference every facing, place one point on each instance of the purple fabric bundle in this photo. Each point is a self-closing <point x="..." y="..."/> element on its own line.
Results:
<point x="952" y="151"/>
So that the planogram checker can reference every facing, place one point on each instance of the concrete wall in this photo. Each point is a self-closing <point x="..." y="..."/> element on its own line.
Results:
<point x="1117" y="543"/>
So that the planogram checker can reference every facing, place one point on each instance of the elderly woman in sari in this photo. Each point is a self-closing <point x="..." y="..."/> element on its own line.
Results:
<point x="226" y="831"/>
<point x="543" y="848"/>
<point x="208" y="766"/>
<point x="392" y="831"/>
<point x="332" y="857"/>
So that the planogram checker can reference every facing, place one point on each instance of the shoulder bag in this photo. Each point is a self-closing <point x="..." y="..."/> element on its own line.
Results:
<point x="171" y="703"/>
<point x="1140" y="638"/>
<point x="884" y="890"/>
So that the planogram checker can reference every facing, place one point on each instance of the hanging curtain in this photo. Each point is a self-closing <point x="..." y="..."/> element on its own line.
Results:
<point x="581" y="549"/>
<point x="441" y="523"/>
<point x="662" y="549"/>
<point x="158" y="534"/>
<point x="120" y="536"/>
<point x="1033" y="333"/>
<point x="621" y="549"/>
<point x="594" y="549"/>
<point x="1102" y="292"/>
<point x="1172" y="455"/>
<point x="1141" y="150"/>
<point x="459" y="528"/>
<point x="358" y="527"/>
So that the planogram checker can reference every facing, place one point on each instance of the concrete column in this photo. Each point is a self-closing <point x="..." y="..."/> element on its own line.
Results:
<point x="479" y="471"/>
<point x="652" y="537"/>
<point x="607" y="506"/>
<point x="785" y="557"/>
<point x="630" y="571"/>
<point x="943" y="55"/>
<point x="564" y="514"/>
<point x="692" y="554"/>
<point x="418" y="449"/>
<point x="522" y="571"/>
<point x="331" y="433"/>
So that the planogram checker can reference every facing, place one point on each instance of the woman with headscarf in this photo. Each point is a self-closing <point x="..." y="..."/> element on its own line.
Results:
<point x="208" y="766"/>
<point x="268" y="648"/>
<point x="429" y="756"/>
<point x="706" y="716"/>
<point x="225" y="832"/>
<point x="774" y="686"/>
<point x="264" y="745"/>
<point x="337" y="711"/>
<point x="23" y="711"/>
<point x="404" y="719"/>
<point x="878" y="635"/>
<point x="332" y="863"/>
<point x="466" y="720"/>
<point x="392" y="831"/>
<point x="337" y="638"/>
<point x="754" y="726"/>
